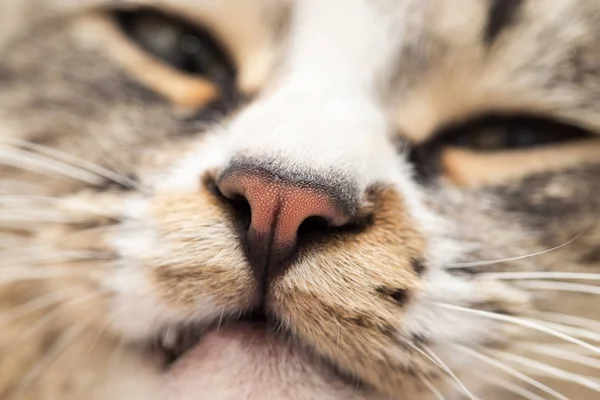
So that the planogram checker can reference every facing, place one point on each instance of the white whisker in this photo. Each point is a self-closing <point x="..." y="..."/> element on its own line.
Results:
<point x="43" y="165"/>
<point x="38" y="303"/>
<point x="509" y="259"/>
<point x="511" y="387"/>
<point x="573" y="349"/>
<point x="438" y="361"/>
<point x="568" y="330"/>
<point x="524" y="323"/>
<point x="62" y="205"/>
<point x="552" y="371"/>
<point x="220" y="319"/>
<point x="44" y="256"/>
<point x="169" y="337"/>
<point x="38" y="216"/>
<point x="78" y="162"/>
<point x="540" y="275"/>
<point x="43" y="275"/>
<point x="581" y="322"/>
<point x="14" y="185"/>
<point x="560" y="286"/>
<point x="49" y="358"/>
<point x="432" y="388"/>
<point x="101" y="331"/>
<point x="511" y="371"/>
<point x="61" y="308"/>
<point x="427" y="356"/>
<point x="562" y="354"/>
<point x="88" y="231"/>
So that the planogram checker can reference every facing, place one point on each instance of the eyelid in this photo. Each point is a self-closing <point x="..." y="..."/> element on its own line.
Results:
<point x="183" y="90"/>
<point x="467" y="168"/>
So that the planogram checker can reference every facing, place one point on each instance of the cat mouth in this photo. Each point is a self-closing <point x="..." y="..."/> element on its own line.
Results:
<point x="175" y="341"/>
<point x="250" y="352"/>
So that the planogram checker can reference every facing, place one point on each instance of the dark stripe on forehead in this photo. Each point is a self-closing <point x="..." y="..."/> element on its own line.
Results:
<point x="502" y="14"/>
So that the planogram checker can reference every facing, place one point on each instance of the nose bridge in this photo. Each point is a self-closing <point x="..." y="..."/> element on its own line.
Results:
<point x="324" y="109"/>
<point x="312" y="130"/>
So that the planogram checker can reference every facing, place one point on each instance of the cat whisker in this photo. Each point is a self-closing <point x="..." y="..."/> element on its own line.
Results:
<point x="510" y="259"/>
<point x="168" y="338"/>
<point x="539" y="275"/>
<point x="16" y="243"/>
<point x="427" y="356"/>
<point x="569" y="330"/>
<point x="14" y="185"/>
<point x="45" y="275"/>
<point x="560" y="286"/>
<point x="580" y="322"/>
<point x="552" y="371"/>
<point x="438" y="361"/>
<point x="61" y="308"/>
<point x="43" y="165"/>
<point x="17" y="225"/>
<point x="432" y="387"/>
<point x="48" y="317"/>
<point x="510" y="387"/>
<point x="88" y="231"/>
<point x="38" y="303"/>
<point x="511" y="371"/>
<point x="47" y="256"/>
<point x="522" y="322"/>
<point x="61" y="205"/>
<point x="106" y="173"/>
<point x="57" y="349"/>
<point x="38" y="216"/>
<point x="101" y="331"/>
<point x="562" y="354"/>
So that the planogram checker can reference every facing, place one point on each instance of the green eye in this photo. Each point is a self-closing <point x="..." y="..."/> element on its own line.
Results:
<point x="179" y="44"/>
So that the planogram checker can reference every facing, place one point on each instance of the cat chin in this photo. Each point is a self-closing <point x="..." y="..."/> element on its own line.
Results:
<point x="244" y="361"/>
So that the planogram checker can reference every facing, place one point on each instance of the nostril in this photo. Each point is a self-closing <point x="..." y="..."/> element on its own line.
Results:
<point x="242" y="209"/>
<point x="238" y="203"/>
<point x="313" y="226"/>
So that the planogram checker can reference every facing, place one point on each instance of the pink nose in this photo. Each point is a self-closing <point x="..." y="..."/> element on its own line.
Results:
<point x="278" y="207"/>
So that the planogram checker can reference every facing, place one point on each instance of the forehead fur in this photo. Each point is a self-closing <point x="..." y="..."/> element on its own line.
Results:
<point x="441" y="46"/>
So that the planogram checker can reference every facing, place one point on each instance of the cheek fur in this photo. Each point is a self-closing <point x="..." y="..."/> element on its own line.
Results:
<point x="364" y="303"/>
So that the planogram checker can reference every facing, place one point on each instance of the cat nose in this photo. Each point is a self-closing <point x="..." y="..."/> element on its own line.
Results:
<point x="279" y="204"/>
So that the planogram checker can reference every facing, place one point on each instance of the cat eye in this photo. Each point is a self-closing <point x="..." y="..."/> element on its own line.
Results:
<point x="497" y="133"/>
<point x="493" y="148"/>
<point x="179" y="44"/>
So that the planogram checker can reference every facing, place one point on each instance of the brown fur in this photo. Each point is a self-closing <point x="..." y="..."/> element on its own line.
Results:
<point x="73" y="86"/>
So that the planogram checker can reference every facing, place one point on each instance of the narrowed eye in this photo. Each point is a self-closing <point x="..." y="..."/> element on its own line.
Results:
<point x="493" y="136"/>
<point x="497" y="133"/>
<point x="179" y="44"/>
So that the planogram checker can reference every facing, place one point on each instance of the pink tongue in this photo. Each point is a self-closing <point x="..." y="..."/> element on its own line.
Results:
<point x="236" y="362"/>
<point x="244" y="361"/>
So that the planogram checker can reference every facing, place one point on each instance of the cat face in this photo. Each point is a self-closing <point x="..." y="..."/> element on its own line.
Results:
<point x="351" y="199"/>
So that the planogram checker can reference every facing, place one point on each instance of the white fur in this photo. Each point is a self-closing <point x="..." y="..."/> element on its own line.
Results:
<point x="320" y="114"/>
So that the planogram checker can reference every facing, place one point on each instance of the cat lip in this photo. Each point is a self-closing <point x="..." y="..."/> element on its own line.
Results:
<point x="174" y="342"/>
<point x="197" y="342"/>
<point x="244" y="356"/>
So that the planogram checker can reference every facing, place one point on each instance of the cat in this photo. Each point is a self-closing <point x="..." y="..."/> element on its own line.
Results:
<point x="299" y="199"/>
